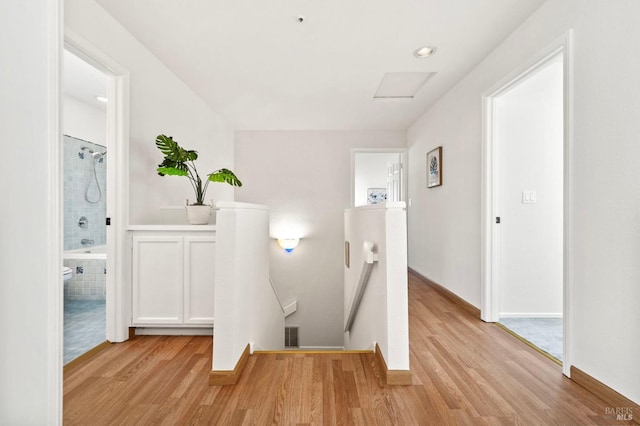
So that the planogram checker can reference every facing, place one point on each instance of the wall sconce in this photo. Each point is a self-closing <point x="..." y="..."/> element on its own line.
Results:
<point x="288" y="244"/>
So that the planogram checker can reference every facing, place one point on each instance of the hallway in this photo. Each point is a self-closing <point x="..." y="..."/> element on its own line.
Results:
<point x="465" y="371"/>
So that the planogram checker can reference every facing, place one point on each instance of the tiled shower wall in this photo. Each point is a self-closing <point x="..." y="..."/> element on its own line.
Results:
<point x="78" y="174"/>
<point x="88" y="279"/>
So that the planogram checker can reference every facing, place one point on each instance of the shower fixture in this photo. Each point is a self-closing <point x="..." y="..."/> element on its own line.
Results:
<point x="83" y="222"/>
<point x="97" y="156"/>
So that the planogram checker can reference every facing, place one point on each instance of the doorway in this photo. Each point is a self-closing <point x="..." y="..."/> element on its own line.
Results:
<point x="529" y="155"/>
<point x="377" y="176"/>
<point x="114" y="158"/>
<point x="525" y="204"/>
<point x="85" y="162"/>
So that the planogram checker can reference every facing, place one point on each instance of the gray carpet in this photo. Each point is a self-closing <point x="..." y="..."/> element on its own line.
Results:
<point x="545" y="333"/>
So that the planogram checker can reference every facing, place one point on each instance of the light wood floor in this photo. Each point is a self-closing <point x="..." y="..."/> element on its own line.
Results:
<point x="464" y="372"/>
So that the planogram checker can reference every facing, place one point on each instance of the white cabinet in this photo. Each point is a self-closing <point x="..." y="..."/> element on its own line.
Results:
<point x="158" y="276"/>
<point x="173" y="278"/>
<point x="199" y="271"/>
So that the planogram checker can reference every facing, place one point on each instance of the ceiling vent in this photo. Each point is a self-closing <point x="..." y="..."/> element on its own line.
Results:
<point x="401" y="85"/>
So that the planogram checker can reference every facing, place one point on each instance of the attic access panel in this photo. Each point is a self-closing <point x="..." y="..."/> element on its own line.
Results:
<point x="401" y="85"/>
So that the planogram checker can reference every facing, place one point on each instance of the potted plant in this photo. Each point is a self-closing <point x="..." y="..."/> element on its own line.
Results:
<point x="181" y="162"/>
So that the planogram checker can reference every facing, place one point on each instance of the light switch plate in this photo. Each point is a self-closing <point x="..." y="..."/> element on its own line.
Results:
<point x="528" y="197"/>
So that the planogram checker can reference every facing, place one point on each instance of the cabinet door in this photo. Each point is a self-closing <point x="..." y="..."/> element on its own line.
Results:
<point x="199" y="260"/>
<point x="158" y="273"/>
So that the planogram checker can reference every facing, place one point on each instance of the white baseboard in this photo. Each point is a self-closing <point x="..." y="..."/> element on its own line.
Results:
<point x="168" y="331"/>
<point x="322" y="348"/>
<point x="529" y="315"/>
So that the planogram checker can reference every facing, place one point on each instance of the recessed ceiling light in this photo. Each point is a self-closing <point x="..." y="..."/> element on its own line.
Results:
<point x="101" y="99"/>
<point x="424" y="52"/>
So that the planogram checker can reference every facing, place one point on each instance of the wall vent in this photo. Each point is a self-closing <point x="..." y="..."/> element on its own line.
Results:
<point x="291" y="337"/>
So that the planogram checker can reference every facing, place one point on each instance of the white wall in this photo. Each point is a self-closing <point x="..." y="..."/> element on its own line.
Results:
<point x="305" y="178"/>
<point x="529" y="132"/>
<point x="383" y="314"/>
<point x="371" y="172"/>
<point x="83" y="121"/>
<point x="30" y="225"/>
<point x="444" y="223"/>
<point x="159" y="103"/>
<point x="246" y="309"/>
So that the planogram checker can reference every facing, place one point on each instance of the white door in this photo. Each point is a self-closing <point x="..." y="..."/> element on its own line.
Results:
<point x="199" y="261"/>
<point x="530" y="195"/>
<point x="394" y="179"/>
<point x="157" y="282"/>
<point x="377" y="175"/>
<point x="524" y="218"/>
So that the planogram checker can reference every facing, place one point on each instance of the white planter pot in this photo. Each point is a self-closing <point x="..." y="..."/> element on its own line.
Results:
<point x="198" y="215"/>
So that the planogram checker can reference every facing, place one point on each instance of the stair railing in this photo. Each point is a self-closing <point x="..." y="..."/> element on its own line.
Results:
<point x="276" y="294"/>
<point x="369" y="258"/>
<point x="287" y="309"/>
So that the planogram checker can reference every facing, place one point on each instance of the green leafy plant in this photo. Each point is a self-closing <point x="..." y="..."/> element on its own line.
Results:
<point x="181" y="162"/>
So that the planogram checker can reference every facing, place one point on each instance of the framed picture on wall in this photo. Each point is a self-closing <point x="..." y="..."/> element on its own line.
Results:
<point x="376" y="195"/>
<point x="434" y="167"/>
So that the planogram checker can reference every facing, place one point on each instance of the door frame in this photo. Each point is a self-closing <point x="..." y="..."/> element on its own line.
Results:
<point x="118" y="293"/>
<point x="490" y="194"/>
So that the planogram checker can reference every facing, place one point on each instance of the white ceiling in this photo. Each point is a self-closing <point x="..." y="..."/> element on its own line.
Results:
<point x="83" y="82"/>
<point x="257" y="66"/>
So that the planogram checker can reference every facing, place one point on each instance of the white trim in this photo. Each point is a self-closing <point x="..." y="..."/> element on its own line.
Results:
<point x="174" y="331"/>
<point x="403" y="160"/>
<point x="529" y="315"/>
<point x="319" y="348"/>
<point x="235" y="205"/>
<point x="490" y="293"/>
<point x="568" y="194"/>
<point x="172" y="228"/>
<point x="118" y="287"/>
<point x="55" y="314"/>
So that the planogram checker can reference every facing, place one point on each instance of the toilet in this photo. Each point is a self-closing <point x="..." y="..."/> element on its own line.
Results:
<point x="66" y="273"/>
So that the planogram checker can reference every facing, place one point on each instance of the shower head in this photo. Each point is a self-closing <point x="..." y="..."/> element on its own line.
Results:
<point x="98" y="155"/>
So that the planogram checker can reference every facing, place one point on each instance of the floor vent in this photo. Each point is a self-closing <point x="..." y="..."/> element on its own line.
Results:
<point x="291" y="337"/>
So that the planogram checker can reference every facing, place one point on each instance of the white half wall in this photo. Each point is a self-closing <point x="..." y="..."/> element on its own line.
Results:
<point x="305" y="178"/>
<point x="383" y="313"/>
<point x="30" y="222"/>
<point x="444" y="223"/>
<point x="529" y="133"/>
<point x="159" y="103"/>
<point x="246" y="310"/>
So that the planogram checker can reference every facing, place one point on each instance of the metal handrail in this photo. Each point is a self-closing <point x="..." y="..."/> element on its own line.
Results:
<point x="367" y="266"/>
<point x="277" y="296"/>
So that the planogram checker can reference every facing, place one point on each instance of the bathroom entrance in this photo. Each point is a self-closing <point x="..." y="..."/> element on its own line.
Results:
<point x="105" y="138"/>
<point x="85" y="159"/>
